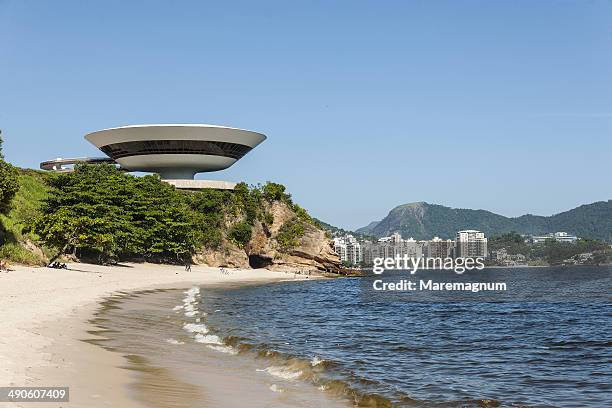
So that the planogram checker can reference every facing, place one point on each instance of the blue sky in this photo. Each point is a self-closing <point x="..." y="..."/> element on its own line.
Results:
<point x="505" y="106"/>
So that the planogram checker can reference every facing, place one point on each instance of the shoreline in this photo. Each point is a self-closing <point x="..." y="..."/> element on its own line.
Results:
<point x="48" y="312"/>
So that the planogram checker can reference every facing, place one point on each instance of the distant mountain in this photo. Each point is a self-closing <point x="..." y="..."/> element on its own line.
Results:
<point x="424" y="221"/>
<point x="340" y="232"/>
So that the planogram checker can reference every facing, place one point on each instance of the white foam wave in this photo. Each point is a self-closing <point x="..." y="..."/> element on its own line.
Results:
<point x="207" y="339"/>
<point x="283" y="372"/>
<point x="190" y="302"/>
<point x="176" y="308"/>
<point x="223" y="349"/>
<point x="174" y="341"/>
<point x="196" y="328"/>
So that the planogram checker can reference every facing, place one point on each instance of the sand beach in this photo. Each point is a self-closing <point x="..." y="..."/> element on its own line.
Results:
<point x="46" y="312"/>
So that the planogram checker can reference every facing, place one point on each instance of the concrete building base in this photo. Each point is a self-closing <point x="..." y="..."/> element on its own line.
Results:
<point x="186" y="184"/>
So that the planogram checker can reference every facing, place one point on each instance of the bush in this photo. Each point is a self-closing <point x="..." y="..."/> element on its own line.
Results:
<point x="268" y="218"/>
<point x="275" y="192"/>
<point x="303" y="215"/>
<point x="289" y="234"/>
<point x="9" y="185"/>
<point x="14" y="252"/>
<point x="241" y="233"/>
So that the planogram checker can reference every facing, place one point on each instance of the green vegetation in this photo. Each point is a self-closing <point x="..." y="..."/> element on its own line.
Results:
<point x="208" y="209"/>
<point x="14" y="224"/>
<point x="275" y="192"/>
<point x="550" y="252"/>
<point x="97" y="211"/>
<point x="289" y="234"/>
<point x="9" y="183"/>
<point x="333" y="231"/>
<point x="241" y="233"/>
<point x="513" y="242"/>
<point x="556" y="252"/>
<point x="100" y="214"/>
<point x="19" y="194"/>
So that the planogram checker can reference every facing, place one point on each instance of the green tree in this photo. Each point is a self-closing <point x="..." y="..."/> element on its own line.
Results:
<point x="9" y="182"/>
<point x="275" y="192"/>
<point x="98" y="210"/>
<point x="241" y="233"/>
<point x="208" y="208"/>
<point x="290" y="233"/>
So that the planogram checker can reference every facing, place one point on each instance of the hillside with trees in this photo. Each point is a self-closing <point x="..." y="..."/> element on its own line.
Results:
<point x="99" y="214"/>
<point x="550" y="252"/>
<point x="423" y="221"/>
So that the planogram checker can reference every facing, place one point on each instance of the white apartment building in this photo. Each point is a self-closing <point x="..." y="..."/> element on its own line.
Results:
<point x="557" y="236"/>
<point x="470" y="244"/>
<point x="348" y="249"/>
<point x="409" y="247"/>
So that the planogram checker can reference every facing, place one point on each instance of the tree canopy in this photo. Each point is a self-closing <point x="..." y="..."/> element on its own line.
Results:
<point x="9" y="182"/>
<point x="99" y="210"/>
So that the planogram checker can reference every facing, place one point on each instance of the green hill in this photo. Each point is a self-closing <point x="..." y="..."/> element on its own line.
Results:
<point x="423" y="221"/>
<point x="99" y="214"/>
<point x="334" y="231"/>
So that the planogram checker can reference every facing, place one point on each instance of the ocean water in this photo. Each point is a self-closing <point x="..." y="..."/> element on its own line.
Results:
<point x="545" y="341"/>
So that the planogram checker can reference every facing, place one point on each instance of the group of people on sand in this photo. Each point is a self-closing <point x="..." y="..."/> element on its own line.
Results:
<point x="57" y="265"/>
<point x="301" y="272"/>
<point x="222" y="270"/>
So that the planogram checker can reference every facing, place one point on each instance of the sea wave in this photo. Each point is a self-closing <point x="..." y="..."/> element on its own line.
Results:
<point x="196" y="328"/>
<point x="282" y="372"/>
<point x="190" y="301"/>
<point x="223" y="349"/>
<point x="208" y="339"/>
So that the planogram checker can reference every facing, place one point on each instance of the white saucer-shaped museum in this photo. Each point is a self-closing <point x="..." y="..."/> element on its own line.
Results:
<point x="175" y="151"/>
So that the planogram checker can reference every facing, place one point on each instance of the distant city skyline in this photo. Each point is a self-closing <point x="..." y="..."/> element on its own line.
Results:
<point x="501" y="106"/>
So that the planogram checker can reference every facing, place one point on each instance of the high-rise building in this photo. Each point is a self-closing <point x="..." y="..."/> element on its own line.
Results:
<point x="340" y="248"/>
<point x="349" y="250"/>
<point x="410" y="247"/>
<point x="439" y="248"/>
<point x="370" y="251"/>
<point x="470" y="244"/>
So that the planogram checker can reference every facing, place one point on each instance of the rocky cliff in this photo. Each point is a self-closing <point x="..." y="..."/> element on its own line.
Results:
<point x="309" y="249"/>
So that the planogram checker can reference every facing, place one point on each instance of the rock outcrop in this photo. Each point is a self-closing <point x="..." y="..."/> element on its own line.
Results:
<point x="312" y="250"/>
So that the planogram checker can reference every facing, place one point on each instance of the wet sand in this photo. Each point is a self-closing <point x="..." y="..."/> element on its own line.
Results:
<point x="46" y="316"/>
